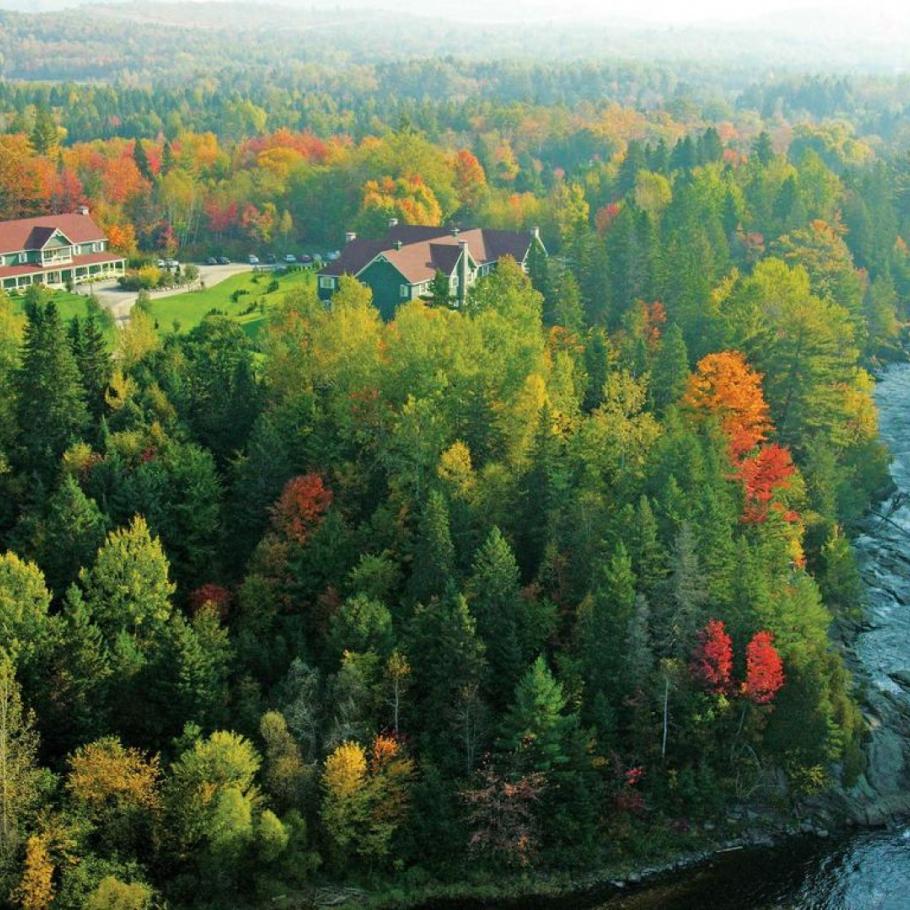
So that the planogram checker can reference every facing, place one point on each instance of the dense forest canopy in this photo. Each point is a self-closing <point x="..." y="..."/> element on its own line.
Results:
<point x="537" y="583"/>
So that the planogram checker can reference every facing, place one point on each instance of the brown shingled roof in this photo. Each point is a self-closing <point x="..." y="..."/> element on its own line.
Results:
<point x="424" y="250"/>
<point x="33" y="233"/>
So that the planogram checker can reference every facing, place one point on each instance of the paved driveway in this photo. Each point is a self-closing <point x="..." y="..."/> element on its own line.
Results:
<point x="112" y="297"/>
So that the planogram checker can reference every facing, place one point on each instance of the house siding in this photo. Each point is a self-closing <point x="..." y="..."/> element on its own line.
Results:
<point x="385" y="281"/>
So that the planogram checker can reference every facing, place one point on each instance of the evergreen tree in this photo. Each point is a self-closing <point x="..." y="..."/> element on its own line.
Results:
<point x="69" y="536"/>
<point x="670" y="371"/>
<point x="72" y="702"/>
<point x="44" y="136"/>
<point x="687" y="597"/>
<point x="440" y="290"/>
<point x="50" y="399"/>
<point x="763" y="149"/>
<point x="649" y="556"/>
<point x="434" y="555"/>
<point x="140" y="156"/>
<point x="447" y="659"/>
<point x="535" y="729"/>
<point x="603" y="626"/>
<point x="93" y="360"/>
<point x="503" y="619"/>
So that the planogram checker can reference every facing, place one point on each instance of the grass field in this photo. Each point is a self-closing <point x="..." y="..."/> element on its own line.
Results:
<point x="250" y="309"/>
<point x="70" y="305"/>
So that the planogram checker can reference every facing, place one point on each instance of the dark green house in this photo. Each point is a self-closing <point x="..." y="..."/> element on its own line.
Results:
<point x="403" y="264"/>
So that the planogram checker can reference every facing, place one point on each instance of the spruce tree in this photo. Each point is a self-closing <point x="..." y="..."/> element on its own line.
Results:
<point x="535" y="729"/>
<point x="502" y="616"/>
<point x="434" y="553"/>
<point x="69" y="536"/>
<point x="140" y="156"/>
<point x="603" y="626"/>
<point x="670" y="370"/>
<point x="94" y="362"/>
<point x="44" y="136"/>
<point x="51" y="408"/>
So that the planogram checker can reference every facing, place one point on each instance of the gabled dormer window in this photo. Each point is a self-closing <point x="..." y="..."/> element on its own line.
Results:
<point x="23" y="257"/>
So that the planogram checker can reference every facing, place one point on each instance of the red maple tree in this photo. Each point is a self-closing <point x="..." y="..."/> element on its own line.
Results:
<point x="764" y="669"/>
<point x="299" y="510"/>
<point x="712" y="660"/>
<point x="763" y="474"/>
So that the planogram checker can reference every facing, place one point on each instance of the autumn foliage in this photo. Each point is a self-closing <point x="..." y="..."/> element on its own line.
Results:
<point x="299" y="510"/>
<point x="724" y="385"/>
<point x="764" y="669"/>
<point x="712" y="661"/>
<point x="712" y="664"/>
<point x="501" y="815"/>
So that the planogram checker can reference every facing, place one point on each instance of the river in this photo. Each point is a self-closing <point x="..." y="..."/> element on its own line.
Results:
<point x="870" y="869"/>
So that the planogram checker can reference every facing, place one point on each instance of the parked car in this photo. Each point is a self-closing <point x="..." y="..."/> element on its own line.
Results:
<point x="223" y="260"/>
<point x="161" y="264"/>
<point x="172" y="263"/>
<point x="271" y="258"/>
<point x="253" y="260"/>
<point x="290" y="258"/>
<point x="306" y="259"/>
<point x="211" y="261"/>
<point x="333" y="255"/>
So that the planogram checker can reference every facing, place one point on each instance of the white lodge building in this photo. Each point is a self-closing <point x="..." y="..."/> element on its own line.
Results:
<point x="55" y="250"/>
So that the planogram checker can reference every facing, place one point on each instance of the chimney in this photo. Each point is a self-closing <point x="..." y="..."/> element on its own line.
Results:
<point x="349" y="236"/>
<point x="397" y="244"/>
<point x="393" y="223"/>
<point x="535" y="232"/>
<point x="82" y="210"/>
<point x="463" y="273"/>
<point x="456" y="231"/>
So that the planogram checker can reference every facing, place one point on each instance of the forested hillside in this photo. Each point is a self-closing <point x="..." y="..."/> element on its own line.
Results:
<point x="536" y="584"/>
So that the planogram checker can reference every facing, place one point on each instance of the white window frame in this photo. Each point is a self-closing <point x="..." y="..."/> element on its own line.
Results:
<point x="404" y="291"/>
<point x="23" y="257"/>
<point x="327" y="282"/>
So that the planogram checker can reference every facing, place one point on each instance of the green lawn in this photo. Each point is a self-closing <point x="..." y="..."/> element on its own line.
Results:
<point x="70" y="305"/>
<point x="250" y="309"/>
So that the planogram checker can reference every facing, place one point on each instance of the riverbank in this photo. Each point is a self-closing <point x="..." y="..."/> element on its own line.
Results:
<point x="875" y="649"/>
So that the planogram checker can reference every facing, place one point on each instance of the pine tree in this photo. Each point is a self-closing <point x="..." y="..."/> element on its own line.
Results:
<point x="535" y="729"/>
<point x="70" y="535"/>
<point x="648" y="553"/>
<point x="167" y="158"/>
<point x="603" y="626"/>
<point x="50" y="400"/>
<point x="94" y="362"/>
<point x="434" y="555"/>
<point x="501" y="615"/>
<point x="72" y="702"/>
<point x="447" y="659"/>
<point x="687" y="597"/>
<point x="44" y="136"/>
<point x="671" y="370"/>
<point x="140" y="156"/>
<point x="763" y="149"/>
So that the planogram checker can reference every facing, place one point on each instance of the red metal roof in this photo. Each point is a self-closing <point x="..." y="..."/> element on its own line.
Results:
<point x="15" y="235"/>
<point x="426" y="249"/>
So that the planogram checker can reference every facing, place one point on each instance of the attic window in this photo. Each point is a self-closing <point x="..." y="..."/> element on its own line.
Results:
<point x="23" y="257"/>
<point x="326" y="282"/>
<point x="405" y="291"/>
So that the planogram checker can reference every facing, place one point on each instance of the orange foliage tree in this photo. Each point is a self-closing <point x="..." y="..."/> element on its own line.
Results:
<point x="725" y="385"/>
